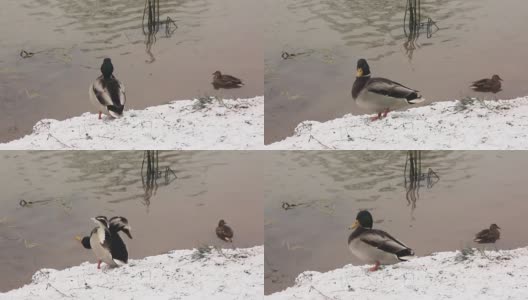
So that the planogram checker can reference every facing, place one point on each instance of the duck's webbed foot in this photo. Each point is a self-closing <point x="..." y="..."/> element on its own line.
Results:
<point x="376" y="117"/>
<point x="375" y="267"/>
<point x="386" y="112"/>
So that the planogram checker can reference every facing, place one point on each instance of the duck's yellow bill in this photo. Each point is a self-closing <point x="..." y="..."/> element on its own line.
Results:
<point x="78" y="238"/>
<point x="359" y="72"/>
<point x="353" y="226"/>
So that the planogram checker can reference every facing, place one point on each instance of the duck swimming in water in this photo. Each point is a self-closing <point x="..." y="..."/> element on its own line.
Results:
<point x="225" y="81"/>
<point x="380" y="95"/>
<point x="107" y="93"/>
<point x="487" y="85"/>
<point x="224" y="232"/>
<point x="105" y="242"/>
<point x="375" y="246"/>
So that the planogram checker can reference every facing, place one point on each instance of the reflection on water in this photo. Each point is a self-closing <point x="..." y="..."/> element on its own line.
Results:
<point x="451" y="44"/>
<point x="414" y="179"/>
<point x="49" y="197"/>
<point x="442" y="200"/>
<point x="162" y="50"/>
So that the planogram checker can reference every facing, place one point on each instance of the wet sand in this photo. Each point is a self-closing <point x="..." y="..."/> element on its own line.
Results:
<point x="71" y="187"/>
<point x="475" y="189"/>
<point x="476" y="39"/>
<point x="70" y="39"/>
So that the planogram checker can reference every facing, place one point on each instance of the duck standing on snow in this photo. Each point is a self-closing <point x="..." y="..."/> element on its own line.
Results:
<point x="106" y="243"/>
<point x="487" y="85"/>
<point x="375" y="246"/>
<point x="107" y="93"/>
<point x="225" y="81"/>
<point x="488" y="235"/>
<point x="224" y="232"/>
<point x="380" y="95"/>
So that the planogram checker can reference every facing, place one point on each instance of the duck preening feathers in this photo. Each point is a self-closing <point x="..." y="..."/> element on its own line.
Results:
<point x="380" y="95"/>
<point x="488" y="85"/>
<point x="225" y="81"/>
<point x="107" y="93"/>
<point x="488" y="235"/>
<point x="224" y="232"/>
<point x="105" y="242"/>
<point x="375" y="246"/>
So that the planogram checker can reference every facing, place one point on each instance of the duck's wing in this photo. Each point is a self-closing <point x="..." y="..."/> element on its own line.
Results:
<point x="480" y="83"/>
<point x="385" y="242"/>
<point x="225" y="233"/>
<point x="386" y="87"/>
<point x="231" y="79"/>
<point x="118" y="249"/>
<point x="109" y="92"/>
<point x="483" y="235"/>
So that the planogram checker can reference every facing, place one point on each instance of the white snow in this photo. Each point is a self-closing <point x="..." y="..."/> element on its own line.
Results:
<point x="458" y="125"/>
<point x="181" y="274"/>
<point x="186" y="124"/>
<point x="479" y="275"/>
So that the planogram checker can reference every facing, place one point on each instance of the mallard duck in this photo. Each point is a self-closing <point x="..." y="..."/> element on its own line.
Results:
<point x="380" y="95"/>
<point x="487" y="85"/>
<point x="107" y="93"/>
<point x="488" y="235"/>
<point x="105" y="241"/>
<point x="225" y="81"/>
<point x="224" y="232"/>
<point x="375" y="246"/>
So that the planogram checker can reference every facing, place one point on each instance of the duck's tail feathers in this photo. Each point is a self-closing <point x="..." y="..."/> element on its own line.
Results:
<point x="115" y="111"/>
<point x="420" y="99"/>
<point x="119" y="263"/>
<point x="405" y="254"/>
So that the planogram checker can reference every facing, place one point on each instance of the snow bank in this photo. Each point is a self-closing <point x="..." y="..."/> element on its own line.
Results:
<point x="206" y="273"/>
<point x="201" y="124"/>
<point x="462" y="125"/>
<point x="469" y="274"/>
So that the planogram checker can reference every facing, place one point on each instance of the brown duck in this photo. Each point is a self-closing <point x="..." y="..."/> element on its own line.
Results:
<point x="488" y="235"/>
<point x="224" y="232"/>
<point x="225" y="81"/>
<point x="487" y="85"/>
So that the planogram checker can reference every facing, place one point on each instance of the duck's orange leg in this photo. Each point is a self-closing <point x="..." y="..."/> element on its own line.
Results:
<point x="99" y="265"/>
<point x="376" y="267"/>
<point x="386" y="112"/>
<point x="100" y="115"/>
<point x="376" y="117"/>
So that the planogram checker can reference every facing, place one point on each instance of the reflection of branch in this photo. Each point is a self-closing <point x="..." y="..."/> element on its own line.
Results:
<point x="412" y="24"/>
<point x="413" y="176"/>
<point x="151" y="27"/>
<point x="150" y="177"/>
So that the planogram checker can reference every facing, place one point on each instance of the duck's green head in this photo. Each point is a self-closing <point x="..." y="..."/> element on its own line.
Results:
<point x="363" y="68"/>
<point x="363" y="219"/>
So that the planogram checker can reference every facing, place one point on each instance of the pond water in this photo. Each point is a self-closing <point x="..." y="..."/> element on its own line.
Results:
<point x="470" y="191"/>
<point x="68" y="188"/>
<point x="475" y="39"/>
<point x="70" y="38"/>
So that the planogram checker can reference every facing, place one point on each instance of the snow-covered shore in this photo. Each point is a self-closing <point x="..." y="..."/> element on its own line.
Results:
<point x="202" y="124"/>
<point x="459" y="125"/>
<point x="205" y="273"/>
<point x="469" y="274"/>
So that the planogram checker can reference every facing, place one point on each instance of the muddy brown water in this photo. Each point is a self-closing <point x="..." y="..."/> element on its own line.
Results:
<point x="69" y="188"/>
<point x="477" y="38"/>
<point x="70" y="39"/>
<point x="475" y="189"/>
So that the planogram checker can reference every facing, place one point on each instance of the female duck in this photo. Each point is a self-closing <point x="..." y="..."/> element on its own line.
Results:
<point x="106" y="243"/>
<point x="107" y="93"/>
<point x="380" y="95"/>
<point x="375" y="246"/>
<point x="224" y="232"/>
<point x="487" y="85"/>
<point x="225" y="81"/>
